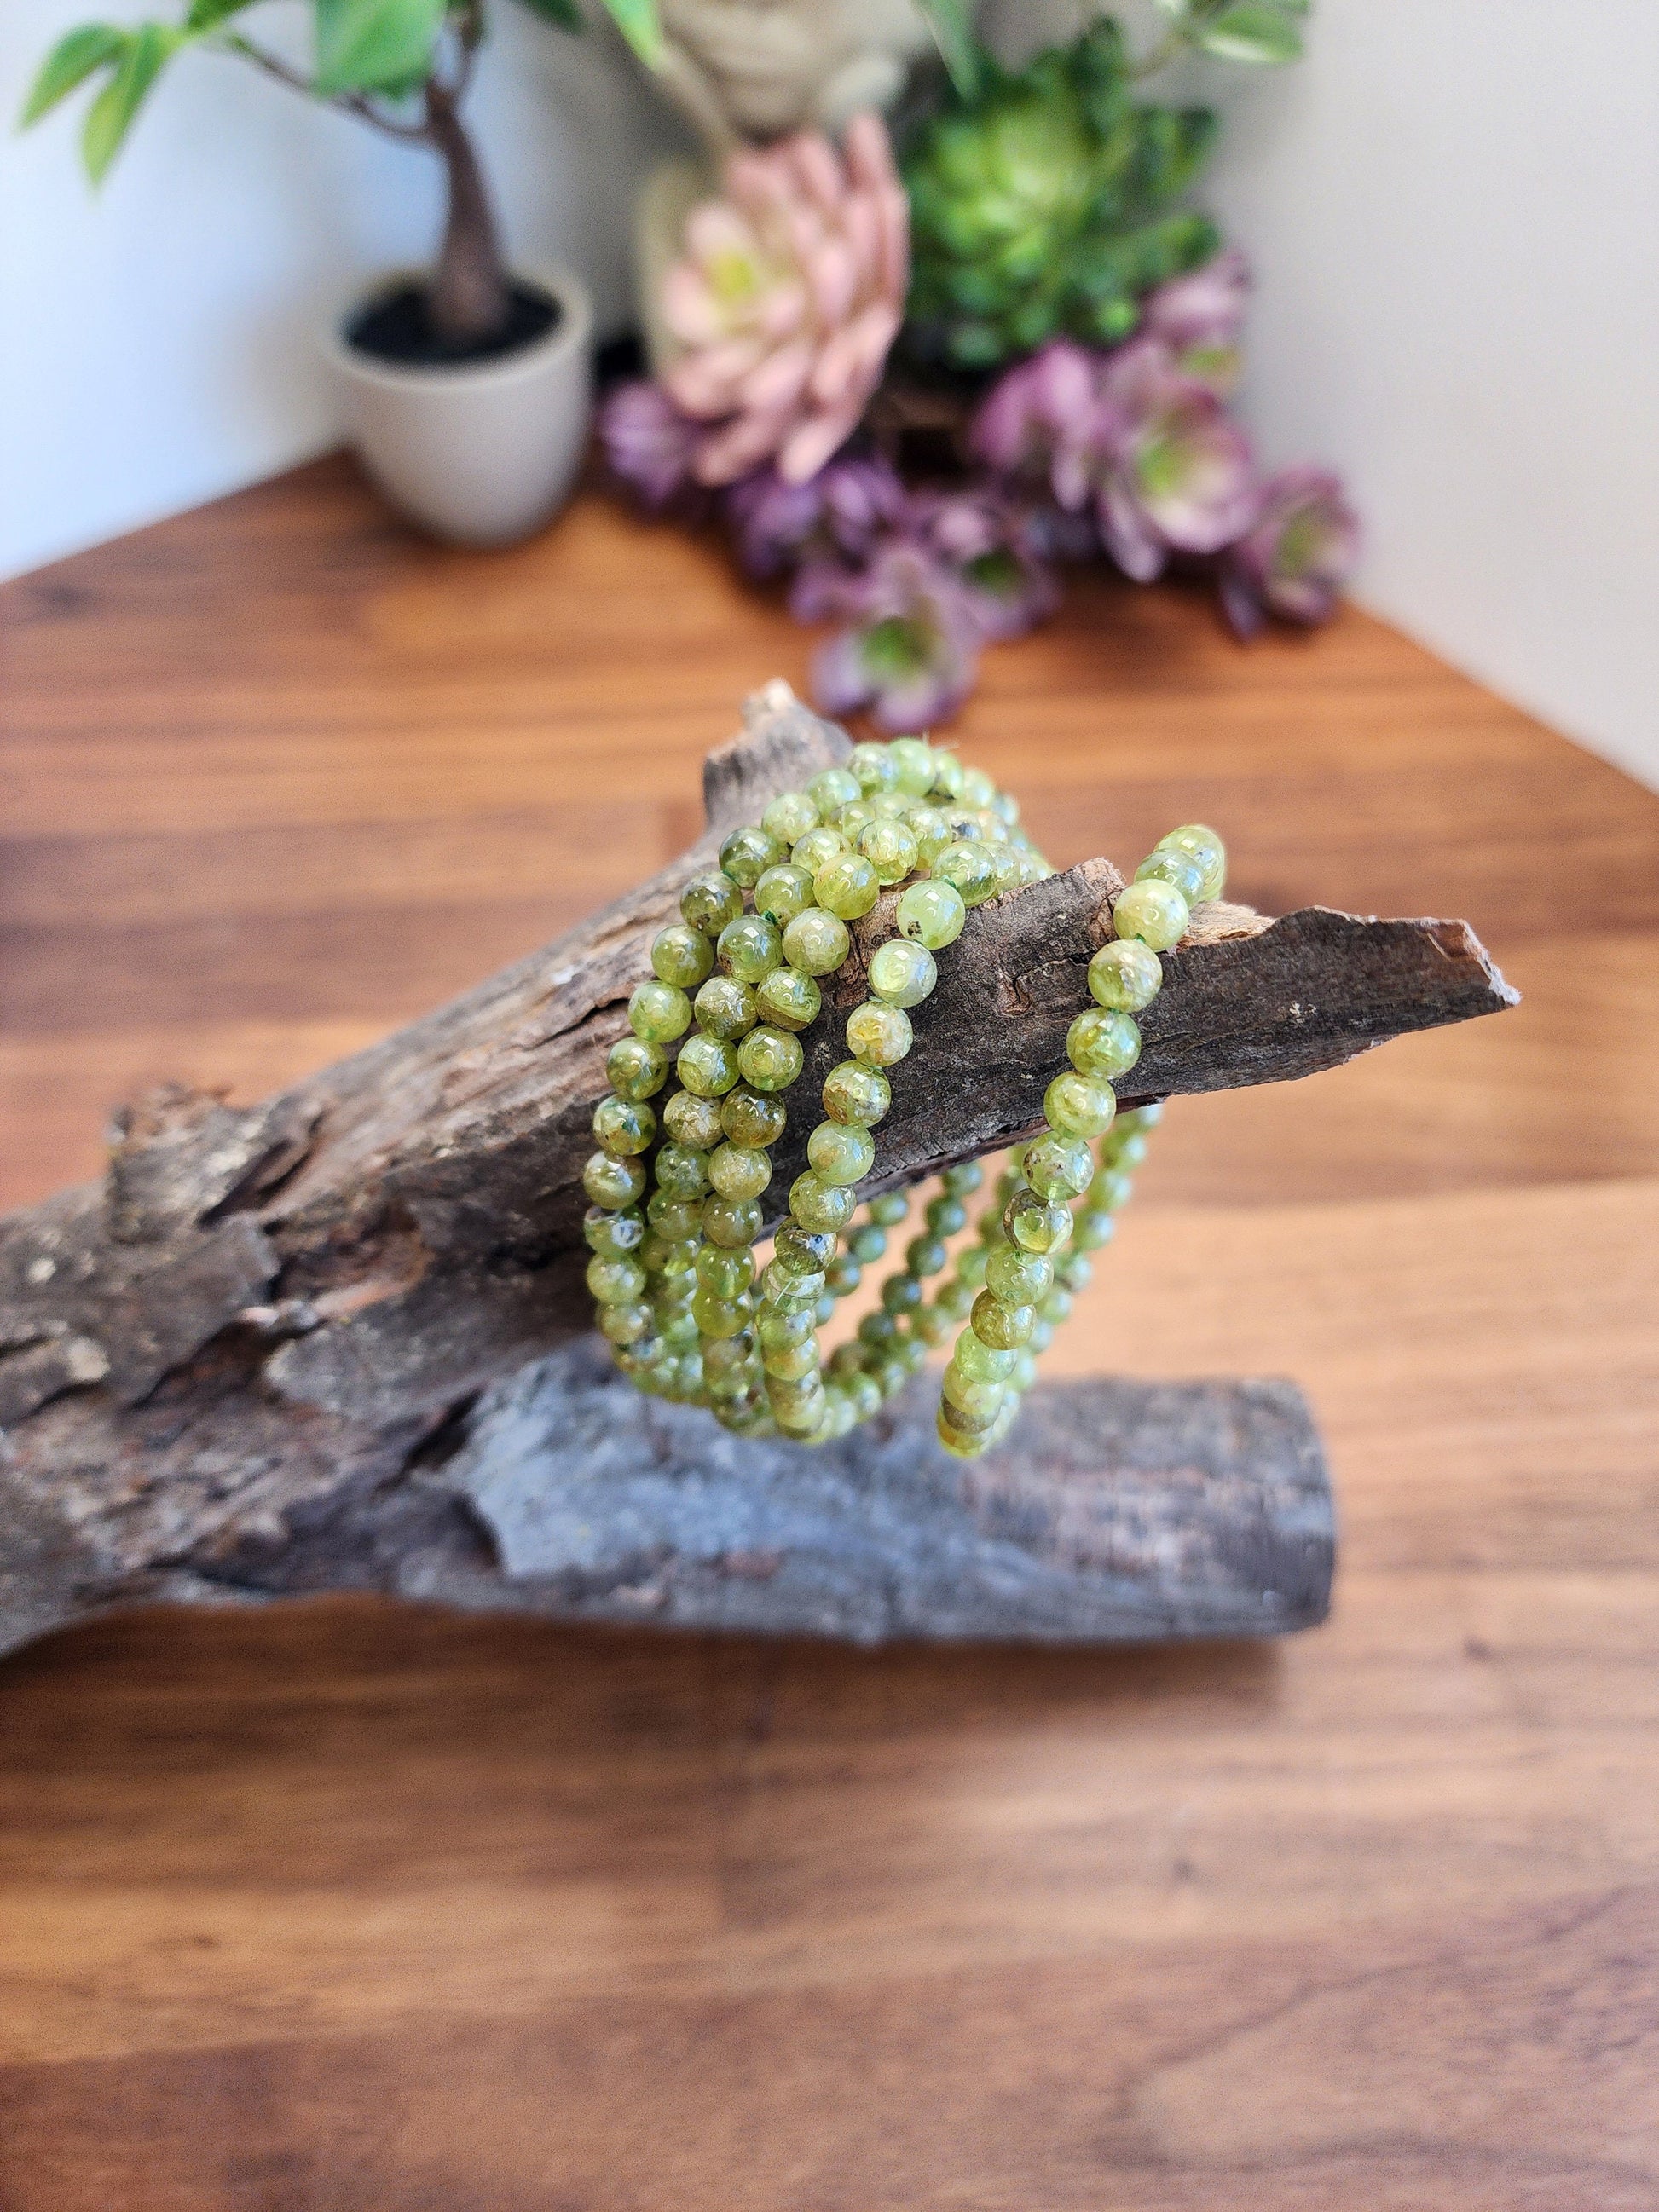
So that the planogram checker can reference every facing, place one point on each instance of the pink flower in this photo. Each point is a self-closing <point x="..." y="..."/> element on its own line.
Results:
<point x="1180" y="476"/>
<point x="647" y="441"/>
<point x="989" y="545"/>
<point x="1296" y="555"/>
<point x="789" y="296"/>
<point x="843" y="509"/>
<point x="909" y="656"/>
<point x="1200" y="319"/>
<point x="1042" y="419"/>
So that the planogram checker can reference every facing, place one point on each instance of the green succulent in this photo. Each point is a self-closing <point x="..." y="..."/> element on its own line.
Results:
<point x="1045" y="202"/>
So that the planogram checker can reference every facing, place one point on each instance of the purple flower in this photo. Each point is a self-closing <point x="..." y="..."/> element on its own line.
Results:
<point x="990" y="545"/>
<point x="909" y="656"/>
<point x="647" y="441"/>
<point x="1200" y="319"/>
<point x="1042" y="417"/>
<point x="843" y="508"/>
<point x="1296" y="555"/>
<point x="1180" y="478"/>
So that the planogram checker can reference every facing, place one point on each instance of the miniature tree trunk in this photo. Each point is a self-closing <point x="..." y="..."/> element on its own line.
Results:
<point x="468" y="300"/>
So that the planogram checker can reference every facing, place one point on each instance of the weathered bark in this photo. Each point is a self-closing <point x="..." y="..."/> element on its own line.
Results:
<point x="267" y="1320"/>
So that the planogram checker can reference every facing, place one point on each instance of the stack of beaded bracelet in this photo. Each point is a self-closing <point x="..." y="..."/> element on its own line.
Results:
<point x="676" y="1281"/>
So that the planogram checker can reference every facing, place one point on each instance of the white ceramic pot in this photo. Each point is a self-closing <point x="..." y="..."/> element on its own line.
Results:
<point x="484" y="453"/>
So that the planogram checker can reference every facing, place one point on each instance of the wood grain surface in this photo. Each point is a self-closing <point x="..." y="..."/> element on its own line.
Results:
<point x="343" y="1906"/>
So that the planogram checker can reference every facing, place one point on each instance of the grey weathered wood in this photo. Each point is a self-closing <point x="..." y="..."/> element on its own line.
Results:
<point x="264" y="1315"/>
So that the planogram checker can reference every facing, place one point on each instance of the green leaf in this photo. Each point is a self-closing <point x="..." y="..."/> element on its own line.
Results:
<point x="70" y="63"/>
<point x="1263" y="33"/>
<point x="564" y="13"/>
<point x="951" y="24"/>
<point x="640" y="24"/>
<point x="375" y="46"/>
<point x="208" y="14"/>
<point x="110" y="117"/>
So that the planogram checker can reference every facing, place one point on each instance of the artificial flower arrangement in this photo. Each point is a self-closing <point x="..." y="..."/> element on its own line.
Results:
<point x="1033" y="266"/>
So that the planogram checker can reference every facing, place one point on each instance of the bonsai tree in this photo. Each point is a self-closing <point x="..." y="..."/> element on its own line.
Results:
<point x="401" y="66"/>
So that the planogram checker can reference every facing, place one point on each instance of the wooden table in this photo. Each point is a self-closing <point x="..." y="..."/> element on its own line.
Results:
<point x="339" y="1906"/>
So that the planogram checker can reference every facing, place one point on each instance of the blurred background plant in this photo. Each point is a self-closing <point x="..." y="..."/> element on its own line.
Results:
<point x="1054" y="390"/>
<point x="399" y="66"/>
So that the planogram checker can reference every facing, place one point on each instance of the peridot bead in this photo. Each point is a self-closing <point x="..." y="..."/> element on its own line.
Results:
<point x="840" y="1152"/>
<point x="623" y="1126"/>
<point x="728" y="1274"/>
<point x="690" y="1119"/>
<point x="815" y="942"/>
<point x="843" y="1275"/>
<point x="818" y="846"/>
<point x="1036" y="1225"/>
<point x="739" y="1171"/>
<point x="709" y="902"/>
<point x="725" y="1007"/>
<point x="783" y="892"/>
<point x="1080" y="1105"/>
<point x="1125" y="976"/>
<point x="874" y="767"/>
<point x="971" y="867"/>
<point x="791" y="1293"/>
<point x="1010" y="869"/>
<point x="853" y="820"/>
<point x="1004" y="1328"/>
<point x="901" y="1294"/>
<point x="788" y="998"/>
<point x="1155" y="913"/>
<point x="682" y="955"/>
<point x="613" y="1236"/>
<point x="879" y="1035"/>
<point x="1058" y="1167"/>
<point x="925" y="1255"/>
<point x="955" y="1440"/>
<point x="932" y="912"/>
<point x="1019" y="1277"/>
<point x="791" y="1363"/>
<point x="1169" y="864"/>
<point x="732" y="1221"/>
<point x="747" y="853"/>
<point x="750" y="947"/>
<point x="798" y="1251"/>
<point x="977" y="788"/>
<point x="834" y="788"/>
<point x="914" y="761"/>
<point x="978" y="1362"/>
<point x="1202" y="841"/>
<point x="846" y="886"/>
<point x="681" y="1170"/>
<point x="706" y="1065"/>
<point x="615" y="1282"/>
<point x="635" y="1068"/>
<point x="770" y="1059"/>
<point x="1072" y="1270"/>
<point x="777" y="1324"/>
<point x="903" y="972"/>
<point x="659" y="1012"/>
<point x="890" y="849"/>
<point x="750" y="1119"/>
<point x="889" y="1209"/>
<point x="867" y="1243"/>
<point x="613" y="1183"/>
<point x="624" y="1324"/>
<point x="717" y="1317"/>
<point x="931" y="828"/>
<point x="676" y="1220"/>
<point x="857" y="1095"/>
<point x="790" y="815"/>
<point x="819" y="1204"/>
<point x="949" y="775"/>
<point x="1100" y="1042"/>
<point x="980" y="1401"/>
<point x="963" y="1180"/>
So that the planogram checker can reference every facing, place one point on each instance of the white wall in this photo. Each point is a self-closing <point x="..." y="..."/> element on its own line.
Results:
<point x="1453" y="207"/>
<point x="156" y="338"/>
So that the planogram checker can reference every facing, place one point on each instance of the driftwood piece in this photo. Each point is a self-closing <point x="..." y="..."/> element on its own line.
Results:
<point x="269" y="1319"/>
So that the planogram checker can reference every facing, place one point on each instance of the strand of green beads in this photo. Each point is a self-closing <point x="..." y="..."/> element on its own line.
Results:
<point x="1029" y="1280"/>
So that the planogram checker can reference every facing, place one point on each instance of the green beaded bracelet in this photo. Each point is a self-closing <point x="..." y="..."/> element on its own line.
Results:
<point x="680" y="1296"/>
